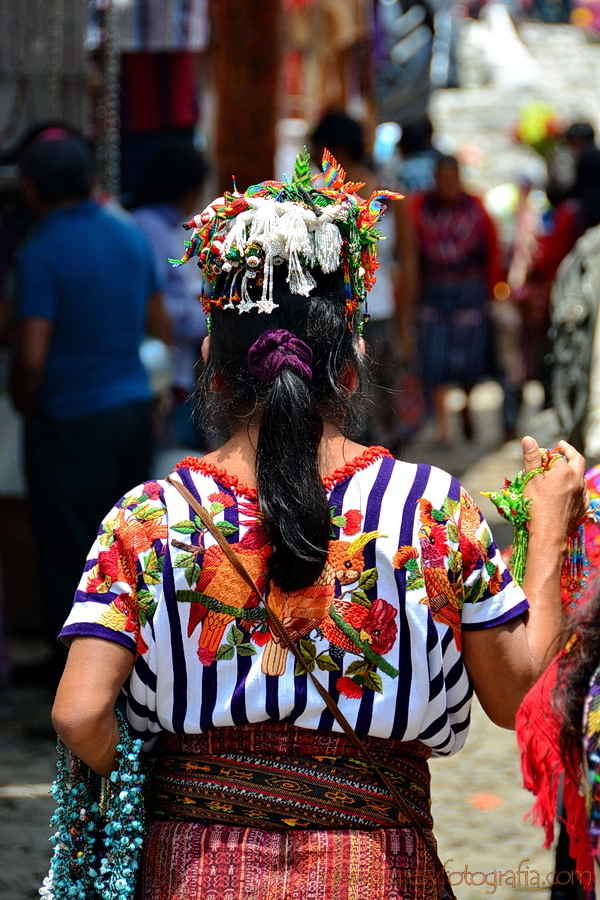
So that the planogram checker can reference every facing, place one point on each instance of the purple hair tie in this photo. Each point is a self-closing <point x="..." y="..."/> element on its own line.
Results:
<point x="277" y="348"/>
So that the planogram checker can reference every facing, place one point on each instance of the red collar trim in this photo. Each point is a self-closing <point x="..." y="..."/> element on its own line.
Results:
<point x="233" y="483"/>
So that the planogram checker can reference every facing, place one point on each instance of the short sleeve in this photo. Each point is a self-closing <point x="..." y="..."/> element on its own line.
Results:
<point x="117" y="595"/>
<point x="490" y="594"/>
<point x="35" y="285"/>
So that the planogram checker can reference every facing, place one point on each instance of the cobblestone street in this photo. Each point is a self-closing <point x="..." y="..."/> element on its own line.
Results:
<point x="27" y="761"/>
<point x="478" y="806"/>
<point x="565" y="68"/>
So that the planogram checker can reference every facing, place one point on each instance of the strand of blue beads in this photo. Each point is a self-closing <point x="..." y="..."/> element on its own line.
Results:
<point x="97" y="844"/>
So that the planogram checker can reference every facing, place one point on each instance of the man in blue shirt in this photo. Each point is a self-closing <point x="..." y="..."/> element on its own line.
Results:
<point x="87" y="293"/>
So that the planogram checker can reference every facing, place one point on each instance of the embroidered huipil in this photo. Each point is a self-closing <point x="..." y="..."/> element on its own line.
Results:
<point x="411" y="566"/>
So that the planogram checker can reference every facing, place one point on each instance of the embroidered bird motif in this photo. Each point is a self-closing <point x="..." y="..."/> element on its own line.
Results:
<point x="301" y="611"/>
<point x="475" y="542"/>
<point x="375" y="625"/>
<point x="345" y="560"/>
<point x="471" y="546"/>
<point x="470" y="517"/>
<point x="440" y="595"/>
<point x="220" y="581"/>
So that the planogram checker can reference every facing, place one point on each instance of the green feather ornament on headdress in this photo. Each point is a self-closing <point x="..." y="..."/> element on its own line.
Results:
<point x="301" y="176"/>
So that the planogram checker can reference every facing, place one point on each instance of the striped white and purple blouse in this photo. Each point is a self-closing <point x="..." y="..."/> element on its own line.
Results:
<point x="411" y="565"/>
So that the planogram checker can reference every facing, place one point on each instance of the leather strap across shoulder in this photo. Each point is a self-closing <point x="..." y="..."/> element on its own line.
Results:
<point x="279" y="628"/>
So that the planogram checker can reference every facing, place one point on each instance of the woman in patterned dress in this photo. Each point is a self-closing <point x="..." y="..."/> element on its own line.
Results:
<point x="459" y="264"/>
<point x="384" y="573"/>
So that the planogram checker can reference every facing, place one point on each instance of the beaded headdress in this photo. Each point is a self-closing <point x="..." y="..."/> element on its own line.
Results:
<point x="244" y="236"/>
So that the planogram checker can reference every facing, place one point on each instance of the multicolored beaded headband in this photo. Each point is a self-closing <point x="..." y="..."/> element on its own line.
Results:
<point x="243" y="236"/>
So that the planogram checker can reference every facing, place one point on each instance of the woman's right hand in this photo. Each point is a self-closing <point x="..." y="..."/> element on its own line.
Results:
<point x="504" y="661"/>
<point x="560" y="496"/>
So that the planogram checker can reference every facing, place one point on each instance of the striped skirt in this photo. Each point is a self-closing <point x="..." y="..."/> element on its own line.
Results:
<point x="254" y="813"/>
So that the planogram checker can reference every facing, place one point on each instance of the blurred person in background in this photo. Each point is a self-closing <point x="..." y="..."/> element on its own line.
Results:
<point x="86" y="292"/>
<point x="581" y="139"/>
<point x="417" y="169"/>
<point x="557" y="231"/>
<point x="385" y="331"/>
<point x="458" y="264"/>
<point x="168" y="195"/>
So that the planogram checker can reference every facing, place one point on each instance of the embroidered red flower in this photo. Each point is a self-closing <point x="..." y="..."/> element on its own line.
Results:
<point x="152" y="490"/>
<point x="471" y="554"/>
<point x="354" y="519"/>
<point x="128" y="604"/>
<point x="108" y="562"/>
<point x="349" y="688"/>
<point x="223" y="498"/>
<point x="261" y="637"/>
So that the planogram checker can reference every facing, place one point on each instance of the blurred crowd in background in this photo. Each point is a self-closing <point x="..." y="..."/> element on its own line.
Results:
<point x="119" y="120"/>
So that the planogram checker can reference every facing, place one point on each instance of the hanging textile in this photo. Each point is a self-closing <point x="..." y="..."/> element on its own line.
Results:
<point x="158" y="92"/>
<point x="162" y="25"/>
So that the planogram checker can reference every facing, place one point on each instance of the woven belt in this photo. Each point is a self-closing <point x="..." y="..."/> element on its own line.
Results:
<point x="274" y="775"/>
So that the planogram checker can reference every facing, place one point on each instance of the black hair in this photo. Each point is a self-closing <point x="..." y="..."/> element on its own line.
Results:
<point x="416" y="137"/>
<point x="48" y="129"/>
<point x="445" y="160"/>
<point x="175" y="169"/>
<point x="59" y="169"/>
<point x="587" y="186"/>
<point x="336" y="129"/>
<point x="292" y="497"/>
<point x="575" y="670"/>
<point x="580" y="131"/>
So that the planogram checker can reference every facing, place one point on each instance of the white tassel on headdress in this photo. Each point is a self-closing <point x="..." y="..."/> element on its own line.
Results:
<point x="246" y="302"/>
<point x="328" y="246"/>
<point x="288" y="233"/>
<point x="262" y="228"/>
<point x="238" y="236"/>
<point x="266" y="303"/>
<point x="293" y="228"/>
<point x="263" y="221"/>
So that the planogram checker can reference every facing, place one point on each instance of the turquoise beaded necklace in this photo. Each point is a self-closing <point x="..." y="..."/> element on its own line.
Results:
<point x="99" y="826"/>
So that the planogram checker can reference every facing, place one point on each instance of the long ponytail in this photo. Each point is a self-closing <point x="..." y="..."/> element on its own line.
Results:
<point x="293" y="501"/>
<point x="290" y="414"/>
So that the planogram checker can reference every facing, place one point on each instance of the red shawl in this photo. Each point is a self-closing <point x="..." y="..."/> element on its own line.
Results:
<point x="538" y="733"/>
